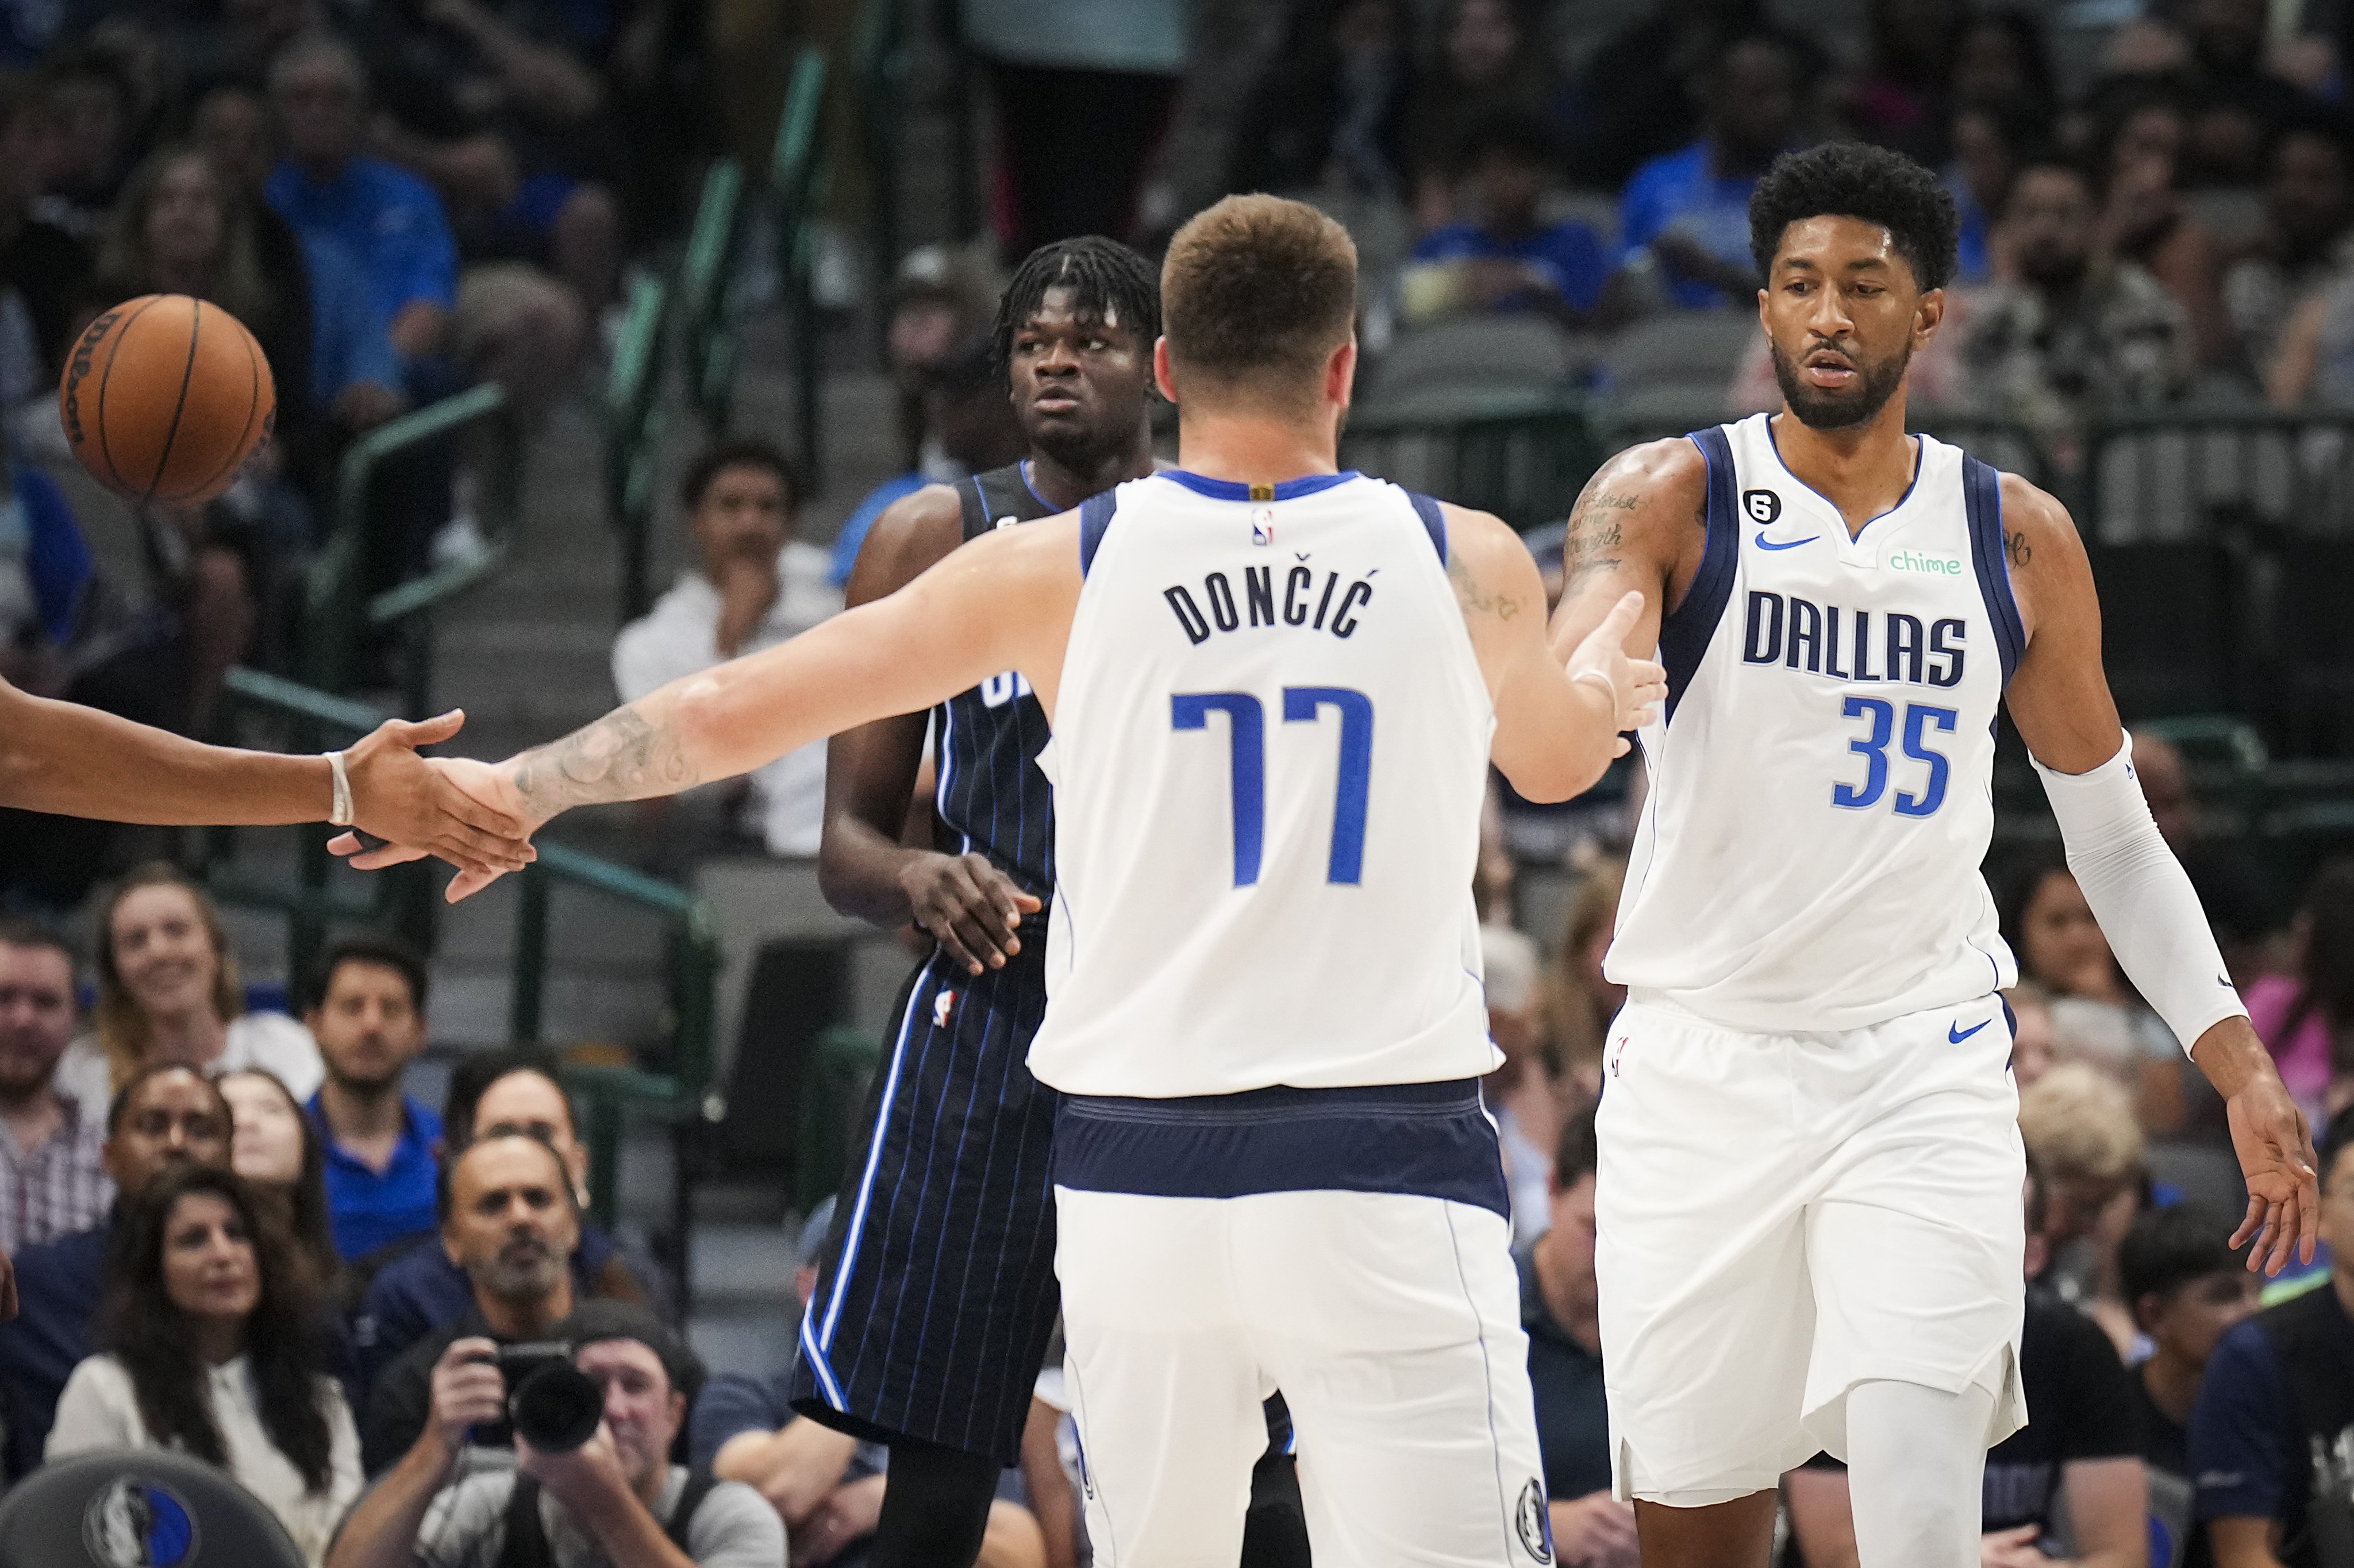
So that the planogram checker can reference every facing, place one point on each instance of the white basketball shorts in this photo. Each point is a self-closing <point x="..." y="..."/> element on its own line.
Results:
<point x="1781" y="1217"/>
<point x="1392" y="1323"/>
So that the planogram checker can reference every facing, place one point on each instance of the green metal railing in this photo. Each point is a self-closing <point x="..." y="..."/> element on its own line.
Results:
<point x="711" y="292"/>
<point x="797" y="187"/>
<point x="2183" y="472"/>
<point x="883" y="68"/>
<point x="682" y="1094"/>
<point x="340" y="614"/>
<point x="634" y="423"/>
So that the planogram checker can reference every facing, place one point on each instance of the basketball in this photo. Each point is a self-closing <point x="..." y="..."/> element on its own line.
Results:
<point x="164" y="398"/>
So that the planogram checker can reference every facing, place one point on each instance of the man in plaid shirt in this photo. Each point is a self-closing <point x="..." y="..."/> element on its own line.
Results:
<point x="51" y="1183"/>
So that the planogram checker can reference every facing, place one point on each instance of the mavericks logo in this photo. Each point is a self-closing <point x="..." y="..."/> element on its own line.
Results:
<point x="1533" y="1520"/>
<point x="135" y="1523"/>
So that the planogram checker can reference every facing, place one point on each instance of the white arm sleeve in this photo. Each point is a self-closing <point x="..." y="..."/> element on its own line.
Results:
<point x="2141" y="896"/>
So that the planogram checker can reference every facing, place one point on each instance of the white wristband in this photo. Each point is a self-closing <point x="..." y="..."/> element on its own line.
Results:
<point x="1608" y="689"/>
<point x="339" y="813"/>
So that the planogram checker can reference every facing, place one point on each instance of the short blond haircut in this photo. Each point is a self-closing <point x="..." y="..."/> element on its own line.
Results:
<point x="1256" y="293"/>
<point x="2078" y="1123"/>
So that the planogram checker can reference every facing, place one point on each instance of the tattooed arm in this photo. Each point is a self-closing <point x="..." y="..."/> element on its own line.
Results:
<point x="1641" y="525"/>
<point x="1558" y="710"/>
<point x="1002" y="602"/>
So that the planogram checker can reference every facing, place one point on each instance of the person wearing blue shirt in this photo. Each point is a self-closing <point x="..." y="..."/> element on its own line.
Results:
<point x="1507" y="260"/>
<point x="368" y="1013"/>
<point x="351" y="335"/>
<point x="381" y="214"/>
<point x="1687" y="212"/>
<point x="2276" y="1407"/>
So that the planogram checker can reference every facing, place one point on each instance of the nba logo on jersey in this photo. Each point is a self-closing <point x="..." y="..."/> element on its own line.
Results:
<point x="1263" y="525"/>
<point x="942" y="1005"/>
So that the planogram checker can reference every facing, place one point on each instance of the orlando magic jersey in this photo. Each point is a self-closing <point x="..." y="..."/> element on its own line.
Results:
<point x="1821" y="778"/>
<point x="936" y="1292"/>
<point x="990" y="794"/>
<point x="1271" y="723"/>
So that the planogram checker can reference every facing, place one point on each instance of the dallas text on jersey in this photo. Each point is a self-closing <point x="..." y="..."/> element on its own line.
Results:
<point x="1906" y="655"/>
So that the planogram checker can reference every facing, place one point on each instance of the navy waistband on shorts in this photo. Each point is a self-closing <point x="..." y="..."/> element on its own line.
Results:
<point x="1430" y="1140"/>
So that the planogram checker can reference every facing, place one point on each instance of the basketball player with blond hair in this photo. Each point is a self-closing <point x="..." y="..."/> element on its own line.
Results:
<point x="1276" y="689"/>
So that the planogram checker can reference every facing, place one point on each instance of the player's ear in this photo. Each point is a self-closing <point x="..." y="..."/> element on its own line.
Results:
<point x="1340" y="373"/>
<point x="1927" y="317"/>
<point x="1161" y="377"/>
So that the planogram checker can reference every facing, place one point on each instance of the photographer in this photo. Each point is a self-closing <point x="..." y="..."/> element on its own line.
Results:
<point x="511" y="1220"/>
<point x="606" y="1497"/>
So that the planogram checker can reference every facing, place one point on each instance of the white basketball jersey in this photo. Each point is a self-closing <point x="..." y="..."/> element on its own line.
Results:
<point x="1270" y="749"/>
<point x="1821" y="782"/>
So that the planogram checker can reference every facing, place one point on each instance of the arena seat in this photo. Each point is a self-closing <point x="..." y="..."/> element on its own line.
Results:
<point x="138" y="1507"/>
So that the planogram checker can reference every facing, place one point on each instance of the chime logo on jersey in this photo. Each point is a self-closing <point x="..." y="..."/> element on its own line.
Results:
<point x="942" y="1005"/>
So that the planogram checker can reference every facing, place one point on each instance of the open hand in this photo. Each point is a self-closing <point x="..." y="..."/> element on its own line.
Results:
<point x="489" y="787"/>
<point x="2275" y="1149"/>
<point x="1638" y="687"/>
<point x="407" y="799"/>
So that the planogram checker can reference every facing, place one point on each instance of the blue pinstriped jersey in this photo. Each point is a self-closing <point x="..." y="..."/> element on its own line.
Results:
<point x="986" y="741"/>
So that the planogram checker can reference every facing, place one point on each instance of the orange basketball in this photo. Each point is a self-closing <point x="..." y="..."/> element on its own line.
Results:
<point x="164" y="398"/>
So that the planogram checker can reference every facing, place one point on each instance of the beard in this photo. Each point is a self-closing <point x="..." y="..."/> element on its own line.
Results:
<point x="1876" y="383"/>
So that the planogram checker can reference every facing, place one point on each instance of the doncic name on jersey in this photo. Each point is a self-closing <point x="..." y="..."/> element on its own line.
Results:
<point x="1302" y="601"/>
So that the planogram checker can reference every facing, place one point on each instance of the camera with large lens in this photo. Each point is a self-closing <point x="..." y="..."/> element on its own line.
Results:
<point x="552" y="1403"/>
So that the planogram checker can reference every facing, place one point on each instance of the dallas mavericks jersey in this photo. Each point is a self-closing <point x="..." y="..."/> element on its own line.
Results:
<point x="1821" y="781"/>
<point x="1270" y="750"/>
<point x="983" y="740"/>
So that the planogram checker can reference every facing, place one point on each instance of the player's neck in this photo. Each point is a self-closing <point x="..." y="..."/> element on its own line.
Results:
<point x="1253" y="447"/>
<point x="1064" y="486"/>
<point x="1864" y="471"/>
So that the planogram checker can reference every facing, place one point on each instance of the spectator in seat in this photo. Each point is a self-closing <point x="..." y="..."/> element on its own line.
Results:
<point x="44" y="271"/>
<point x="756" y="586"/>
<point x="1492" y="61"/>
<point x="826" y="1486"/>
<point x="94" y="106"/>
<point x="2141" y="148"/>
<point x="2237" y="904"/>
<point x="2034" y="1050"/>
<point x="1577" y="998"/>
<point x="2306" y="1017"/>
<point x="1526" y="1095"/>
<point x="169" y="990"/>
<point x="522" y="331"/>
<point x="510" y="1221"/>
<point x="53" y="1178"/>
<point x="211" y="1350"/>
<point x="1331" y="113"/>
<point x="2078" y="1460"/>
<point x="1506" y="259"/>
<point x="179" y="227"/>
<point x="617" y="1499"/>
<point x="1987" y="142"/>
<point x="2096" y="1014"/>
<point x="2076" y="334"/>
<point x="1590" y="1526"/>
<point x="368" y="1016"/>
<point x="498" y="1094"/>
<point x="168" y="1115"/>
<point x="2188" y="1287"/>
<point x="2303" y="245"/>
<point x="973" y="428"/>
<point x="1687" y="213"/>
<point x="2274" y="1415"/>
<point x="2078" y="1125"/>
<point x="279" y="1155"/>
<point x="1632" y="102"/>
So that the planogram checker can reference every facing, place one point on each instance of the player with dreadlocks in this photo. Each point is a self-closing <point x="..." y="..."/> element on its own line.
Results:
<point x="937" y="1296"/>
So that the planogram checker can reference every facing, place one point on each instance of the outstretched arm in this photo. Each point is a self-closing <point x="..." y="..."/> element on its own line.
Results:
<point x="1641" y="525"/>
<point x="2060" y="699"/>
<point x="1559" y="710"/>
<point x="75" y="761"/>
<point x="1002" y="602"/>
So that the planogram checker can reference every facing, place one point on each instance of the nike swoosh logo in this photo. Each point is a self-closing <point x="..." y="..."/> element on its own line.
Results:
<point x="1956" y="1033"/>
<point x="2223" y="980"/>
<point x="1764" y="544"/>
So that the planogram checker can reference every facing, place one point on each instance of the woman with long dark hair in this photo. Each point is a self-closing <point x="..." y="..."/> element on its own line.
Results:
<point x="2307" y="1019"/>
<point x="214" y="1350"/>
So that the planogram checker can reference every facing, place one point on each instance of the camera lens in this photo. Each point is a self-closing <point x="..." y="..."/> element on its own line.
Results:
<point x="556" y="1408"/>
